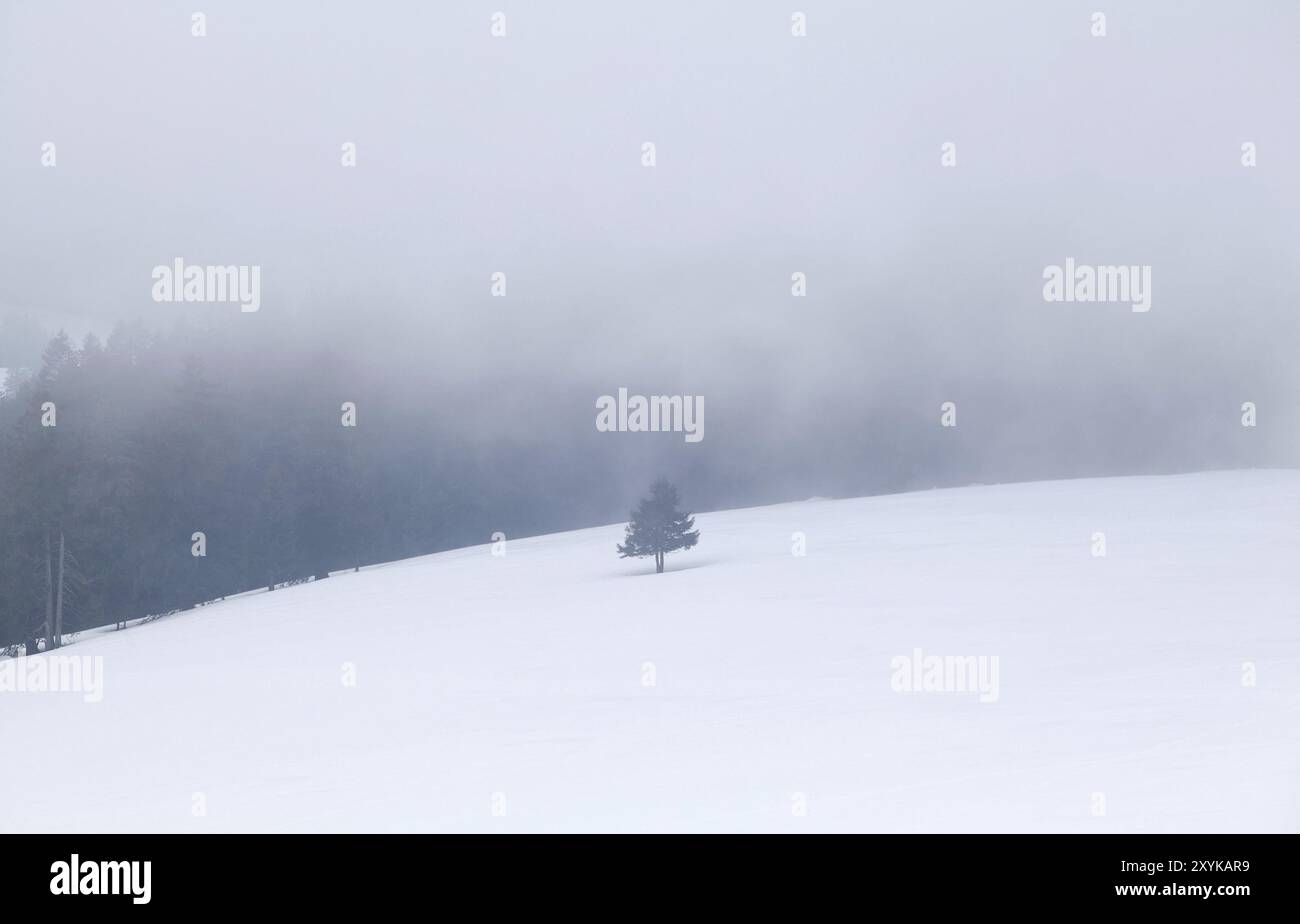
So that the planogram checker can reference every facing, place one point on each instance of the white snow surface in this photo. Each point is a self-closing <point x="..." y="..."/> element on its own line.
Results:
<point x="511" y="693"/>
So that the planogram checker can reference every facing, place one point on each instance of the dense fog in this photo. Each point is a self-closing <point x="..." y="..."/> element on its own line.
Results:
<point x="920" y="164"/>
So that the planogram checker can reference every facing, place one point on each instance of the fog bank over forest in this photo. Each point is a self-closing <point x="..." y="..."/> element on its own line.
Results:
<point x="522" y="155"/>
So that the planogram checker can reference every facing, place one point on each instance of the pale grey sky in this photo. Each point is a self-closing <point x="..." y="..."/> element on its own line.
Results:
<point x="775" y="154"/>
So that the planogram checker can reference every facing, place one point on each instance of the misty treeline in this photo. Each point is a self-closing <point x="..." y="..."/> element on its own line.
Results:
<point x="231" y="426"/>
<point x="124" y="450"/>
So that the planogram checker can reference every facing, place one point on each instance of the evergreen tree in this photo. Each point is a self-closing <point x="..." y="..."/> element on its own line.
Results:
<point x="657" y="527"/>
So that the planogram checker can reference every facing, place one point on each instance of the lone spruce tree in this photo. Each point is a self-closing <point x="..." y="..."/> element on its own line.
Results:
<point x="658" y="527"/>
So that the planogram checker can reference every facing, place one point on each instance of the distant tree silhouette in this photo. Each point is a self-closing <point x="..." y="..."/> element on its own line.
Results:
<point x="657" y="527"/>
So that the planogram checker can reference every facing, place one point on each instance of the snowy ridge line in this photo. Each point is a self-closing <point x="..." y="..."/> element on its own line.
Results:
<point x="72" y="637"/>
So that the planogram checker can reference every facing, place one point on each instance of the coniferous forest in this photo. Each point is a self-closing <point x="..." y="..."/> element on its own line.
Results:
<point x="126" y="449"/>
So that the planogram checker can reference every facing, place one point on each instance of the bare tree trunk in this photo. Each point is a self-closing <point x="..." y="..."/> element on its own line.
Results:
<point x="659" y="562"/>
<point x="58" y="598"/>
<point x="49" y="593"/>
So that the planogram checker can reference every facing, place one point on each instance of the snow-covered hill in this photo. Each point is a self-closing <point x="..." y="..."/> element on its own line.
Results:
<point x="558" y="688"/>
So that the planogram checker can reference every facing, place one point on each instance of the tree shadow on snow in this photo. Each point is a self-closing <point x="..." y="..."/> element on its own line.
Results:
<point x="669" y="568"/>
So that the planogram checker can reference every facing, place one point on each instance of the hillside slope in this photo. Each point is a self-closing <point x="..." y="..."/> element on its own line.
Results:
<point x="514" y="693"/>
